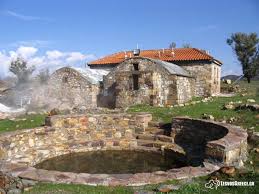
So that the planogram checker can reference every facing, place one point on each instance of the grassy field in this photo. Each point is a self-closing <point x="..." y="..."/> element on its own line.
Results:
<point x="245" y="118"/>
<point x="23" y="122"/>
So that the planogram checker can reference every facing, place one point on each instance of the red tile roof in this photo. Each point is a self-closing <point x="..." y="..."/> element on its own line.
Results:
<point x="176" y="54"/>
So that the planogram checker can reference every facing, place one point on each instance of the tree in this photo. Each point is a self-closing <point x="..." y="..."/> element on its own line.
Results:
<point x="172" y="45"/>
<point x="187" y="45"/>
<point x="21" y="70"/>
<point x="44" y="76"/>
<point x="246" y="48"/>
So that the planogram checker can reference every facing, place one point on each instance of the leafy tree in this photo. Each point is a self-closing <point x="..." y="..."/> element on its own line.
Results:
<point x="187" y="45"/>
<point x="246" y="48"/>
<point x="21" y="70"/>
<point x="172" y="45"/>
<point x="44" y="76"/>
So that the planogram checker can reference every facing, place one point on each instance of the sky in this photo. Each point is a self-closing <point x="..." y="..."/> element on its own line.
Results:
<point x="55" y="33"/>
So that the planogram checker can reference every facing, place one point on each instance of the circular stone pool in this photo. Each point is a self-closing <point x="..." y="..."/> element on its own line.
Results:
<point x="120" y="149"/>
<point x="111" y="162"/>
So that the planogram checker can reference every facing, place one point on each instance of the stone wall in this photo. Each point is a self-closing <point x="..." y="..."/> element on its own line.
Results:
<point x="207" y="76"/>
<point x="215" y="144"/>
<point x="66" y="89"/>
<point x="156" y="86"/>
<point x="211" y="141"/>
<point x="66" y="134"/>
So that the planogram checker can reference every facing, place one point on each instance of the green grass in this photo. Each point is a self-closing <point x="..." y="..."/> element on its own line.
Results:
<point x="23" y="122"/>
<point x="245" y="118"/>
<point x="48" y="188"/>
<point x="195" y="187"/>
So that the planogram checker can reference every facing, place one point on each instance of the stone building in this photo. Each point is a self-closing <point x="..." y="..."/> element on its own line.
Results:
<point x="69" y="87"/>
<point x="205" y="69"/>
<point x="141" y="80"/>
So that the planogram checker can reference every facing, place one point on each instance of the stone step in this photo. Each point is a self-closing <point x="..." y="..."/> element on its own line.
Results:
<point x="154" y="130"/>
<point x="154" y="124"/>
<point x="153" y="137"/>
<point x="150" y="143"/>
<point x="148" y="149"/>
<point x="161" y="145"/>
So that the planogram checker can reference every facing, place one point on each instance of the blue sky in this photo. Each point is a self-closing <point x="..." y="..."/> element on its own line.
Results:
<point x="77" y="31"/>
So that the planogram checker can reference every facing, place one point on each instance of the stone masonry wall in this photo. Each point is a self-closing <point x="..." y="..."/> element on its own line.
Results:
<point x="66" y="134"/>
<point x="66" y="89"/>
<point x="212" y="141"/>
<point x="156" y="86"/>
<point x="207" y="77"/>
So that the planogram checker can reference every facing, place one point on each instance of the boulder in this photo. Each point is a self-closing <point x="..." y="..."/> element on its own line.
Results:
<point x="229" y="106"/>
<point x="250" y="100"/>
<point x="253" y="137"/>
<point x="53" y="112"/>
<point x="227" y="81"/>
<point x="168" y="188"/>
<point x="232" y="120"/>
<point x="208" y="117"/>
<point x="230" y="170"/>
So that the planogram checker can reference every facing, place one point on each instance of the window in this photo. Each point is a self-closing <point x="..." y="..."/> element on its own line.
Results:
<point x="65" y="79"/>
<point x="136" y="67"/>
<point x="135" y="82"/>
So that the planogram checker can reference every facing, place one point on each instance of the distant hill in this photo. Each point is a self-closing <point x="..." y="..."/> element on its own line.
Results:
<point x="231" y="77"/>
<point x="235" y="77"/>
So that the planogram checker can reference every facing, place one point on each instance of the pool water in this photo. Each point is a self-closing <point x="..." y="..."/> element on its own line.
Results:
<point x="111" y="162"/>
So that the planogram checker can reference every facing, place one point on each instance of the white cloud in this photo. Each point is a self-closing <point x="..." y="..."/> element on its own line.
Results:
<point x="52" y="59"/>
<point x="34" y="43"/>
<point x="55" y="54"/>
<point x="26" y="52"/>
<point x="4" y="62"/>
<point x="75" y="56"/>
<point x="25" y="17"/>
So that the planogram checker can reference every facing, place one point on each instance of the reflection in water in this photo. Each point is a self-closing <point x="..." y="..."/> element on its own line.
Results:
<point x="110" y="162"/>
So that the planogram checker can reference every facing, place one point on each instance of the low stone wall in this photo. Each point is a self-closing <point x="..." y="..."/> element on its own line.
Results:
<point x="215" y="142"/>
<point x="66" y="134"/>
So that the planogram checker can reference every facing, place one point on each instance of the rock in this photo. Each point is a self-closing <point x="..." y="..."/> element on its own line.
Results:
<point x="2" y="191"/>
<point x="28" y="183"/>
<point x="232" y="120"/>
<point x="229" y="106"/>
<point x="193" y="103"/>
<point x="250" y="100"/>
<point x="11" y="184"/>
<point x="31" y="142"/>
<point x="168" y="188"/>
<point x="240" y="163"/>
<point x="253" y="137"/>
<point x="117" y="134"/>
<point x="181" y="105"/>
<point x="227" y="81"/>
<point x="208" y="117"/>
<point x="252" y="107"/>
<point x="228" y="170"/>
<point x="54" y="111"/>
<point x="14" y="191"/>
